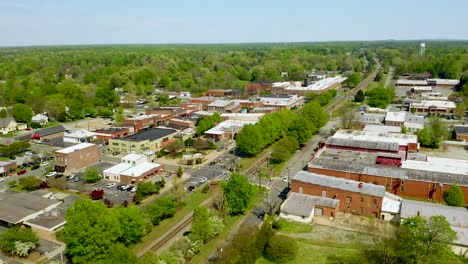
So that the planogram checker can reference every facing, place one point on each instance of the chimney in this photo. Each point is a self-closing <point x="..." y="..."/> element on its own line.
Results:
<point x="360" y="185"/>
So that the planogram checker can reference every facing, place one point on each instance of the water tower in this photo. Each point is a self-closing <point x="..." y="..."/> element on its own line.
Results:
<point x="422" y="48"/>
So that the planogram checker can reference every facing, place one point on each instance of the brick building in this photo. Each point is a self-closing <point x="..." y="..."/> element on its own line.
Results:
<point x="461" y="132"/>
<point x="49" y="133"/>
<point x="302" y="207"/>
<point x="433" y="107"/>
<point x="224" y="106"/>
<point x="257" y="88"/>
<point x="204" y="101"/>
<point x="403" y="174"/>
<point x="7" y="168"/>
<point x="218" y="93"/>
<point x="166" y="113"/>
<point x="355" y="197"/>
<point x="114" y="132"/>
<point x="134" y="168"/>
<point x="75" y="158"/>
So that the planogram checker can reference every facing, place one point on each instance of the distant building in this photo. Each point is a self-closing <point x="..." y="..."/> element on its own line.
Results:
<point x="40" y="119"/>
<point x="7" y="168"/>
<point x="7" y="125"/>
<point x="218" y="93"/>
<point x="49" y="133"/>
<point x="461" y="132"/>
<point x="279" y="102"/>
<point x="395" y="118"/>
<point x="133" y="169"/>
<point x="224" y="106"/>
<point x="443" y="83"/>
<point x="79" y="136"/>
<point x="115" y="132"/>
<point x="433" y="107"/>
<point x="75" y="158"/>
<point x="302" y="207"/>
<point x="227" y="129"/>
<point x="152" y="139"/>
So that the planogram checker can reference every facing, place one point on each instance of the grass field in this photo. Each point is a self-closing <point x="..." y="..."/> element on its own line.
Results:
<point x="293" y="227"/>
<point x="315" y="252"/>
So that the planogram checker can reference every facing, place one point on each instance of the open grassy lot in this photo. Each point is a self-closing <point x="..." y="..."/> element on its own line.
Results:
<point x="315" y="252"/>
<point x="293" y="227"/>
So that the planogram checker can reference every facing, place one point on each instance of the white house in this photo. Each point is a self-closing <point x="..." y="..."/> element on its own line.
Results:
<point x="40" y="119"/>
<point x="7" y="125"/>
<point x="302" y="207"/>
<point x="79" y="136"/>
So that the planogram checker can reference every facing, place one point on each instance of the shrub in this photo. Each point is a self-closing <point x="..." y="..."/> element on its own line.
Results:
<point x="92" y="175"/>
<point x="281" y="249"/>
<point x="454" y="196"/>
<point x="29" y="183"/>
<point x="17" y="234"/>
<point x="205" y="189"/>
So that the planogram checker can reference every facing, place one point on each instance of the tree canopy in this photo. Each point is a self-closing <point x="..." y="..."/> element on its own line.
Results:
<point x="238" y="192"/>
<point x="454" y="196"/>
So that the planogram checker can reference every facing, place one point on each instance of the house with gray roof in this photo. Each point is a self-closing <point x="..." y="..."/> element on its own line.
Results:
<point x="302" y="207"/>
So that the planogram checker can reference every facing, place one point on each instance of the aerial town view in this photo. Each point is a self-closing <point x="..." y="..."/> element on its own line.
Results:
<point x="238" y="132"/>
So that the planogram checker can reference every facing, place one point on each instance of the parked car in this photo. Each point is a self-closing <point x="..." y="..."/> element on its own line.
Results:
<point x="35" y="167"/>
<point x="45" y="163"/>
<point x="58" y="175"/>
<point x="129" y="188"/>
<point x="191" y="188"/>
<point x="21" y="172"/>
<point x="123" y="187"/>
<point x="134" y="189"/>
<point x="71" y="177"/>
<point x="110" y="185"/>
<point x="51" y="174"/>
<point x="204" y="179"/>
<point x="28" y="153"/>
<point x="77" y="179"/>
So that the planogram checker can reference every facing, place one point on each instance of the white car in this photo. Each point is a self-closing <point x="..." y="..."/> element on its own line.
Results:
<point x="71" y="177"/>
<point x="134" y="189"/>
<point x="51" y="174"/>
<point x="2" y="179"/>
<point x="123" y="187"/>
<point x="285" y="179"/>
<point x="110" y="185"/>
<point x="28" y="153"/>
<point x="45" y="163"/>
<point x="204" y="179"/>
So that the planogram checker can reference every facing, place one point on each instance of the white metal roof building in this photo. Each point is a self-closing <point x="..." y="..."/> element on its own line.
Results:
<point x="382" y="129"/>
<point x="252" y="117"/>
<point x="401" y="139"/>
<point x="321" y="85"/>
<point x="395" y="117"/>
<point x="436" y="164"/>
<point x="75" y="148"/>
<point x="139" y="170"/>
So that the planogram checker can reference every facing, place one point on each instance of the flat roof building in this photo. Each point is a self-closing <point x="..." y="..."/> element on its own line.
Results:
<point x="77" y="157"/>
<point x="227" y="129"/>
<point x="152" y="139"/>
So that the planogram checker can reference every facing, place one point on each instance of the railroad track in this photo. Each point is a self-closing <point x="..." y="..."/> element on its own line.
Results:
<point x="166" y="238"/>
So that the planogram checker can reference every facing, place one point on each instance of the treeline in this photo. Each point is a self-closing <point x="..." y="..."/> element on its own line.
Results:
<point x="70" y="83"/>
<point x="207" y="122"/>
<point x="301" y="125"/>
<point x="442" y="59"/>
<point x="321" y="98"/>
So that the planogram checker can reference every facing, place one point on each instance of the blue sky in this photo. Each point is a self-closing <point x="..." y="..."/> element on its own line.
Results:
<point x="54" y="22"/>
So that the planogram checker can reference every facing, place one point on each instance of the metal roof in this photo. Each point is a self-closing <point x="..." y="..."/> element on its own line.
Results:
<point x="15" y="207"/>
<point x="339" y="183"/>
<point x="303" y="204"/>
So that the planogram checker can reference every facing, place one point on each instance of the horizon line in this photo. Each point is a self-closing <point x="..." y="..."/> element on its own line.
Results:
<point x="231" y="43"/>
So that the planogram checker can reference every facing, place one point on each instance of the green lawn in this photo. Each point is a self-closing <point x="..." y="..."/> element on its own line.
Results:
<point x="192" y="201"/>
<point x="293" y="227"/>
<point x="315" y="252"/>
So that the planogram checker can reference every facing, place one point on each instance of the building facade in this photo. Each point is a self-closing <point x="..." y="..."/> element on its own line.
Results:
<point x="152" y="139"/>
<point x="75" y="158"/>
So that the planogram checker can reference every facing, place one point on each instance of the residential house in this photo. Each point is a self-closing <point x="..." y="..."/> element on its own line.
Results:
<point x="40" y="119"/>
<point x="7" y="125"/>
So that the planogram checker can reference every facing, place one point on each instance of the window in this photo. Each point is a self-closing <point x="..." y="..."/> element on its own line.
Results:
<point x="348" y="199"/>
<point x="374" y="201"/>
<point x="115" y="144"/>
<point x="300" y="190"/>
<point x="362" y="210"/>
<point x="402" y="188"/>
<point x="362" y="199"/>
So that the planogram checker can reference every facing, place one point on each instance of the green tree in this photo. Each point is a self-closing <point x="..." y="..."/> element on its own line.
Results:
<point x="200" y="224"/>
<point x="238" y="192"/>
<point x="420" y="240"/>
<point x="22" y="113"/>
<point x="353" y="80"/>
<point x="149" y="257"/>
<point x="18" y="234"/>
<point x="92" y="174"/>
<point x="359" y="97"/>
<point x="90" y="231"/>
<point x="160" y="209"/>
<point x="281" y="248"/>
<point x="454" y="196"/>
<point x="118" y="254"/>
<point x="132" y="224"/>
<point x="460" y="110"/>
<point x="3" y="113"/>
<point x="119" y="116"/>
<point x="29" y="183"/>
<point x="180" y="171"/>
<point x="250" y="140"/>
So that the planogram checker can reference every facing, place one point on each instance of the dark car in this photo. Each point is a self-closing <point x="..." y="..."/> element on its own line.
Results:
<point x="35" y="167"/>
<point x="191" y="188"/>
<point x="60" y="175"/>
<point x="21" y="172"/>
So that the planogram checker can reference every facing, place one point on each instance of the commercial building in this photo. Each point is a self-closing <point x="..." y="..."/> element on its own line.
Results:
<point x="279" y="102"/>
<point x="403" y="173"/>
<point x="18" y="207"/>
<point x="133" y="169"/>
<point x="79" y="136"/>
<point x="218" y="93"/>
<point x="403" y="141"/>
<point x="49" y="133"/>
<point x="227" y="129"/>
<point x="7" y="168"/>
<point x="461" y="132"/>
<point x="395" y="118"/>
<point x="319" y="86"/>
<point x="382" y="129"/>
<point x="433" y="107"/>
<point x="252" y="117"/>
<point x="152" y="139"/>
<point x="354" y="197"/>
<point x="445" y="83"/>
<point x="114" y="132"/>
<point x="224" y="106"/>
<point x="75" y="158"/>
